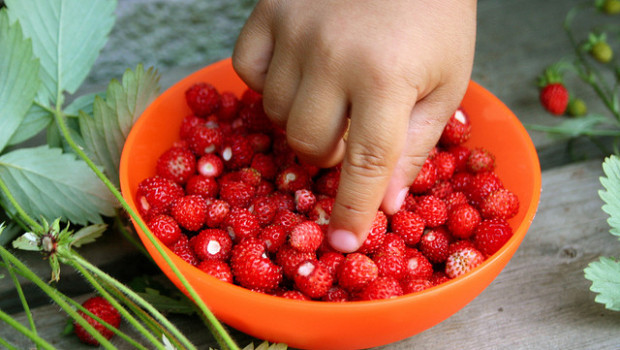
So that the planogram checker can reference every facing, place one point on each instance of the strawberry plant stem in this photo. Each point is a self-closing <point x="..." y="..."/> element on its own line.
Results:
<point x="56" y="296"/>
<point x="130" y="238"/>
<point x="21" y="295"/>
<point x="128" y="316"/>
<point x="32" y="223"/>
<point x="7" y="345"/>
<point x="223" y="334"/>
<point x="25" y="331"/>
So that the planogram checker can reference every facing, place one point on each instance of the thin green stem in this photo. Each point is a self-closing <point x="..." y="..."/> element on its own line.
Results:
<point x="22" y="297"/>
<point x="56" y="296"/>
<point x="132" y="320"/>
<point x="115" y="330"/>
<point x="7" y="345"/>
<point x="227" y="340"/>
<point x="134" y="296"/>
<point x="25" y="331"/>
<point x="33" y="224"/>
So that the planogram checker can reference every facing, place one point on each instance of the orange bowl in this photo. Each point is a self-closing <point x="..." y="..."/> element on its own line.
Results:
<point x="352" y="325"/>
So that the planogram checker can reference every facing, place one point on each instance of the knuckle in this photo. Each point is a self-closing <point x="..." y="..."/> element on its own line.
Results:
<point x="369" y="160"/>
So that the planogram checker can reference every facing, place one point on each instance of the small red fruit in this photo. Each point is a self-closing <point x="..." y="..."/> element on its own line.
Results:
<point x="554" y="98"/>
<point x="432" y="210"/>
<point x="306" y="236"/>
<point x="463" y="261"/>
<point x="479" y="160"/>
<point x="313" y="278"/>
<point x="211" y="244"/>
<point x="502" y="204"/>
<point x="491" y="235"/>
<point x="462" y="220"/>
<point x="205" y="186"/>
<point x="383" y="287"/>
<point x="356" y="272"/>
<point x="210" y="165"/>
<point x="177" y="164"/>
<point x="408" y="225"/>
<point x="165" y="228"/>
<point x="218" y="269"/>
<point x="204" y="139"/>
<point x="155" y="195"/>
<point x="457" y="130"/>
<point x="101" y="308"/>
<point x="203" y="99"/>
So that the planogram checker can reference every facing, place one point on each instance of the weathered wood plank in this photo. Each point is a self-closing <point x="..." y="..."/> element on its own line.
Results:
<point x="540" y="301"/>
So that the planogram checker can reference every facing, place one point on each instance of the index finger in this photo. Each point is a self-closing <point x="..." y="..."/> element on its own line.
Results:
<point x="376" y="138"/>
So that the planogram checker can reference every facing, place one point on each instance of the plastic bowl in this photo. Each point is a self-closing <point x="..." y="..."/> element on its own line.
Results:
<point x="352" y="325"/>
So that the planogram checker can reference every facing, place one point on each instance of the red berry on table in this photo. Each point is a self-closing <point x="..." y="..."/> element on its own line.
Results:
<point x="408" y="225"/>
<point x="287" y="218"/>
<point x="463" y="220"/>
<point x="502" y="204"/>
<point x="457" y="130"/>
<point x="491" y="235"/>
<point x="306" y="236"/>
<point x="463" y="261"/>
<point x="261" y="142"/>
<point x="101" y="308"/>
<point x="313" y="278"/>
<point x="190" y="212"/>
<point x="356" y="272"/>
<point x="177" y="164"/>
<point x="218" y="269"/>
<point x="165" y="228"/>
<point x="211" y="244"/>
<point x="554" y="98"/>
<point x="383" y="287"/>
<point x="203" y="99"/>
<point x="155" y="195"/>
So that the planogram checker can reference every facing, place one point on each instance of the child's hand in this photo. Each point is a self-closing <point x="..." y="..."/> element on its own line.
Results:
<point x="398" y="68"/>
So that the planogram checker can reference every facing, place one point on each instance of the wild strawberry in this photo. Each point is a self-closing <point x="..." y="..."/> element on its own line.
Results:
<point x="480" y="159"/>
<point x="336" y="294"/>
<point x="187" y="125"/>
<point x="383" y="287"/>
<point x="292" y="178"/>
<point x="313" y="278"/>
<point x="333" y="260"/>
<point x="101" y="308"/>
<point x="413" y="284"/>
<point x="441" y="189"/>
<point x="445" y="163"/>
<point x="434" y="244"/>
<point x="205" y="186"/>
<point x="425" y="179"/>
<point x="409" y="203"/>
<point x="284" y="200"/>
<point x="238" y="194"/>
<point x="463" y="261"/>
<point x="432" y="210"/>
<point x="176" y="164"/>
<point x="229" y="106"/>
<point x="264" y="207"/>
<point x="327" y="182"/>
<point x="455" y="199"/>
<point x="392" y="244"/>
<point x="236" y="152"/>
<point x="457" y="130"/>
<point x="306" y="236"/>
<point x="460" y="244"/>
<point x="218" y="269"/>
<point x="155" y="195"/>
<point x="289" y="257"/>
<point x="417" y="265"/>
<point x="241" y="224"/>
<point x="481" y="185"/>
<point x="203" y="99"/>
<point x="554" y="98"/>
<point x="211" y="244"/>
<point x="210" y="165"/>
<point x="165" y="228"/>
<point x="264" y="188"/>
<point x="376" y="234"/>
<point x="251" y="267"/>
<point x="182" y="249"/>
<point x="265" y="165"/>
<point x="460" y="153"/>
<point x="460" y="181"/>
<point x="438" y="277"/>
<point x="408" y="225"/>
<point x="502" y="204"/>
<point x="304" y="200"/>
<point x="491" y="235"/>
<point x="254" y="118"/>
<point x="463" y="220"/>
<point x="356" y="272"/>
<point x="322" y="211"/>
<point x="392" y="265"/>
<point x="250" y="96"/>
<point x="190" y="212"/>
<point x="204" y="139"/>
<point x="273" y="237"/>
<point x="217" y="211"/>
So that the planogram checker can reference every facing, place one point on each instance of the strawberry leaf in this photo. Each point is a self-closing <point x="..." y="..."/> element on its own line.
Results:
<point x="588" y="125"/>
<point x="605" y="277"/>
<point x="67" y="36"/>
<point x="19" y="77"/>
<point x="37" y="118"/>
<point x="87" y="234"/>
<point x="105" y="132"/>
<point x="50" y="184"/>
<point x="611" y="193"/>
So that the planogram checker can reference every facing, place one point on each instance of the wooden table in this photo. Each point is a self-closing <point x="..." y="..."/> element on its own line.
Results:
<point x="541" y="300"/>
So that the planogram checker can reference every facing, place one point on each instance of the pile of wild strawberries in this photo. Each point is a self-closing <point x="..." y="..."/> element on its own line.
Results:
<point x="231" y="198"/>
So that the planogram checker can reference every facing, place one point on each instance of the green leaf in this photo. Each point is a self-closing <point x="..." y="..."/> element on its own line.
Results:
<point x="104" y="134"/>
<point x="50" y="184"/>
<point x="27" y="241"/>
<point x="37" y="118"/>
<point x="19" y="77"/>
<point x="10" y="232"/>
<point x="611" y="193"/>
<point x="605" y="277"/>
<point x="588" y="125"/>
<point x="67" y="36"/>
<point x="88" y="234"/>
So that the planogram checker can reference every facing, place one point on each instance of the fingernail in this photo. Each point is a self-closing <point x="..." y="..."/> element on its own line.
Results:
<point x="344" y="241"/>
<point x="400" y="199"/>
